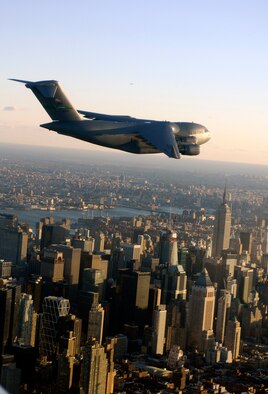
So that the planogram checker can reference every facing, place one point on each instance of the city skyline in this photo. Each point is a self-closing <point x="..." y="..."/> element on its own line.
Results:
<point x="201" y="62"/>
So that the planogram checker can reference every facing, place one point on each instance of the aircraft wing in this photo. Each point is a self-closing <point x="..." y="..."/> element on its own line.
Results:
<point x="112" y="118"/>
<point x="161" y="136"/>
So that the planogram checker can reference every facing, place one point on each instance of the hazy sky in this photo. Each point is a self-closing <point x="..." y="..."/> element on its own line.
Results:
<point x="197" y="60"/>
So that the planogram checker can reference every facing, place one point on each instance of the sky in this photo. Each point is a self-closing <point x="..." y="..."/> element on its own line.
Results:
<point x="197" y="60"/>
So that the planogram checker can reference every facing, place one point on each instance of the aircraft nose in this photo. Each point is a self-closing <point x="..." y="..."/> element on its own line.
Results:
<point x="208" y="134"/>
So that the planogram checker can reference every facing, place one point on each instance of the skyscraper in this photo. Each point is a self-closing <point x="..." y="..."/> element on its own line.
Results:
<point x="94" y="370"/>
<point x="224" y="304"/>
<point x="13" y="244"/>
<point x="27" y="321"/>
<point x="53" y="309"/>
<point x="5" y="308"/>
<point x="232" y="337"/>
<point x="159" y="328"/>
<point x="222" y="228"/>
<point x="200" y="310"/>
<point x="168" y="248"/>
<point x="95" y="322"/>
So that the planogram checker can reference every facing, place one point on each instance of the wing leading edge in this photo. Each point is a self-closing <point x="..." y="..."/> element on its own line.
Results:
<point x="161" y="136"/>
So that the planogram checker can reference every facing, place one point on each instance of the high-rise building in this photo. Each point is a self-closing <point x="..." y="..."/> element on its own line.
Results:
<point x="94" y="370"/>
<point x="245" y="282"/>
<point x="131" y="251"/>
<point x="175" y="326"/>
<point x="14" y="312"/>
<point x="95" y="322"/>
<point x="5" y="308"/>
<point x="71" y="258"/>
<point x="26" y="321"/>
<point x="132" y="297"/>
<point x="224" y="304"/>
<point x="5" y="269"/>
<point x="53" y="309"/>
<point x="174" y="281"/>
<point x="54" y="233"/>
<point x="109" y="348"/>
<point x="66" y="361"/>
<point x="159" y="329"/>
<point x="52" y="265"/>
<point x="99" y="242"/>
<point x="222" y="228"/>
<point x="200" y="310"/>
<point x="232" y="337"/>
<point x="168" y="248"/>
<point x="13" y="245"/>
<point x="246" y="240"/>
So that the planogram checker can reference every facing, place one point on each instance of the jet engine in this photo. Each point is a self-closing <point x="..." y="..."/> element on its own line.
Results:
<point x="190" y="150"/>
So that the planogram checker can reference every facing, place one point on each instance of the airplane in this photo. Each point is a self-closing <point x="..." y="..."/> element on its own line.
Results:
<point x="121" y="132"/>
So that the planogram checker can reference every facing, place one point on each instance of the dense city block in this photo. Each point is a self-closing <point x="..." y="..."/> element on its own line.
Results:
<point x="121" y="280"/>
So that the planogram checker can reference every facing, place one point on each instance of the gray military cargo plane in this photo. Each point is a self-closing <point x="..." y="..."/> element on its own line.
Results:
<point x="117" y="131"/>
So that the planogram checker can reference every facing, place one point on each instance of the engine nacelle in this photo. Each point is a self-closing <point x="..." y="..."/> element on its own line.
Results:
<point x="190" y="150"/>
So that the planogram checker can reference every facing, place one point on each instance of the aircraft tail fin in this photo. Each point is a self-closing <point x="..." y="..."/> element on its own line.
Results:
<point x="52" y="98"/>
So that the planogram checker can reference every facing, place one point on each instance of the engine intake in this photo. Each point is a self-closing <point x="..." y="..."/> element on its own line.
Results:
<point x="190" y="150"/>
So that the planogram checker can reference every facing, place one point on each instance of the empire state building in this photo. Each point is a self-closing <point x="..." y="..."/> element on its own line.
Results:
<point x="222" y="228"/>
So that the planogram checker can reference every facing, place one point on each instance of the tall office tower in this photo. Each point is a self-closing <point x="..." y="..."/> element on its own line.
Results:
<point x="34" y="287"/>
<point x="235" y="244"/>
<point x="264" y="262"/>
<point x="265" y="242"/>
<point x="117" y="262"/>
<point x="222" y="228"/>
<point x="95" y="322"/>
<point x="85" y="301"/>
<point x="93" y="261"/>
<point x="232" y="337"/>
<point x="85" y="244"/>
<point x="201" y="309"/>
<point x="54" y="233"/>
<point x="224" y="304"/>
<point x="168" y="248"/>
<point x="66" y="361"/>
<point x="174" y="281"/>
<point x="5" y="308"/>
<point x="94" y="369"/>
<point x="53" y="309"/>
<point x="71" y="258"/>
<point x="252" y="319"/>
<point x="14" y="311"/>
<point x="229" y="261"/>
<point x="245" y="282"/>
<point x="131" y="251"/>
<point x="153" y="301"/>
<point x="5" y="269"/>
<point x="70" y="323"/>
<point x="27" y="320"/>
<point x="231" y="286"/>
<point x="93" y="280"/>
<point x="175" y="326"/>
<point x="109" y="348"/>
<point x="183" y="256"/>
<point x="133" y="295"/>
<point x="52" y="265"/>
<point x="13" y="245"/>
<point x="246" y="240"/>
<point x="99" y="242"/>
<point x="159" y="328"/>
